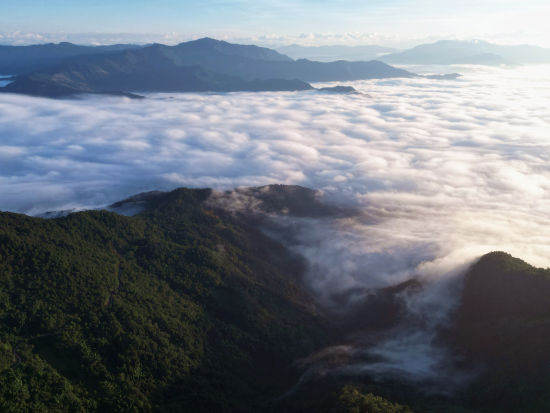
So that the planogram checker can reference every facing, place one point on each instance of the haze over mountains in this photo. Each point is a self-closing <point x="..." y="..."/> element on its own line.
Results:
<point x="208" y="65"/>
<point x="196" y="66"/>
<point x="336" y="52"/>
<point x="443" y="52"/>
<point x="479" y="52"/>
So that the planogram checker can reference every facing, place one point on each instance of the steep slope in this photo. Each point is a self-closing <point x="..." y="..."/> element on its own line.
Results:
<point x="500" y="333"/>
<point x="503" y="324"/>
<point x="188" y="306"/>
<point x="180" y="307"/>
<point x="505" y="311"/>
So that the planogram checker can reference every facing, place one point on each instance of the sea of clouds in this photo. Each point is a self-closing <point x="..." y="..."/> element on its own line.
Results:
<point x="442" y="171"/>
<point x="461" y="165"/>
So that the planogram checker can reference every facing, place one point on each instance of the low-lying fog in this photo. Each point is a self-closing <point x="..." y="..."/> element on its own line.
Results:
<point x="457" y="165"/>
<point x="443" y="170"/>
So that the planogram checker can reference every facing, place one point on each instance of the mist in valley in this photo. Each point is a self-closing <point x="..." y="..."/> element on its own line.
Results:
<point x="431" y="174"/>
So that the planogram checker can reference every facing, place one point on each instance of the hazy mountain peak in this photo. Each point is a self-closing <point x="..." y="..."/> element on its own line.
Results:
<point x="206" y="40"/>
<point x="207" y="45"/>
<point x="203" y="65"/>
<point x="469" y="52"/>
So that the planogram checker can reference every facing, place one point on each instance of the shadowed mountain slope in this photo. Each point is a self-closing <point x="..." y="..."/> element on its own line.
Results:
<point x="178" y="307"/>
<point x="503" y="327"/>
<point x="504" y="316"/>
<point x="189" y="306"/>
<point x="196" y="66"/>
<point x="143" y="70"/>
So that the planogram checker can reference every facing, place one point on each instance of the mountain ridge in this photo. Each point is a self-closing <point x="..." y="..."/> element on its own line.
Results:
<point x="187" y="306"/>
<point x="16" y="60"/>
<point x="197" y="66"/>
<point x="469" y="52"/>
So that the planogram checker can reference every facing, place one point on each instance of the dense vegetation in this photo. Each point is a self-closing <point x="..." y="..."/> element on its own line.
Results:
<point x="176" y="309"/>
<point x="357" y="402"/>
<point x="503" y="323"/>
<point x="184" y="307"/>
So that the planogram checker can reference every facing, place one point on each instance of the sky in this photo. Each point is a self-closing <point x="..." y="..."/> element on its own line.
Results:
<point x="400" y="23"/>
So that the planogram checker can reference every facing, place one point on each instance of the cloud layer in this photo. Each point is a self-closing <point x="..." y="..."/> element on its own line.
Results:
<point x="456" y="164"/>
<point x="442" y="172"/>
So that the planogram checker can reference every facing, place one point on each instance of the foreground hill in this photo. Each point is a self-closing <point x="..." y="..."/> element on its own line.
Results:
<point x="177" y="308"/>
<point x="447" y="52"/>
<point x="188" y="306"/>
<point x="504" y="304"/>
<point x="196" y="66"/>
<point x="503" y="324"/>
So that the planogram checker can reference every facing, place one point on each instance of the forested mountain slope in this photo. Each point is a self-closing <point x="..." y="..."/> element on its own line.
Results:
<point x="189" y="307"/>
<point x="177" y="309"/>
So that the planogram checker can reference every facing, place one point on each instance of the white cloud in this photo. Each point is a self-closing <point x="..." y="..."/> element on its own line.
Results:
<point x="443" y="156"/>
<point x="353" y="38"/>
<point x="443" y="171"/>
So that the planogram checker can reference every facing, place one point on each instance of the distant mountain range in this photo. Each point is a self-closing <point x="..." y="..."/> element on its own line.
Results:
<point x="195" y="66"/>
<point x="16" y="60"/>
<point x="65" y="69"/>
<point x="443" y="52"/>
<point x="209" y="65"/>
<point x="143" y="70"/>
<point x="479" y="52"/>
<point x="336" y="52"/>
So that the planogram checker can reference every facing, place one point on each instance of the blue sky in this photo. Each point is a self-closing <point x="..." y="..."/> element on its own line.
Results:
<point x="315" y="22"/>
